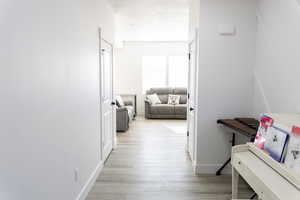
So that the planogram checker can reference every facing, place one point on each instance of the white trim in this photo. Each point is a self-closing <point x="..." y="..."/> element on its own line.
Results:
<point x="196" y="97"/>
<point x="141" y="114"/>
<point x="114" y="132"/>
<point x="90" y="183"/>
<point x="210" y="169"/>
<point x="168" y="71"/>
<point x="114" y="137"/>
<point x="100" y="92"/>
<point x="193" y="154"/>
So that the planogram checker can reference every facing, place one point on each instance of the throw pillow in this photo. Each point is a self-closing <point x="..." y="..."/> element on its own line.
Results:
<point x="173" y="99"/>
<point x="119" y="101"/>
<point x="154" y="99"/>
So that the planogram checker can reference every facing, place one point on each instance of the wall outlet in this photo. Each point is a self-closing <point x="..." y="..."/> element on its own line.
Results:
<point x="76" y="174"/>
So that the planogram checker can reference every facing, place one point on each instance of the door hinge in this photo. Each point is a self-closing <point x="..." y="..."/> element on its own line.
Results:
<point x="188" y="133"/>
<point x="188" y="95"/>
<point x="189" y="56"/>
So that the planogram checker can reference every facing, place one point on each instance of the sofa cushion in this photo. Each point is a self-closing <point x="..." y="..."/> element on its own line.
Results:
<point x="163" y="98"/>
<point x="183" y="94"/>
<point x="180" y="91"/>
<point x="164" y="109"/>
<point x="180" y="109"/>
<point x="183" y="99"/>
<point x="160" y="91"/>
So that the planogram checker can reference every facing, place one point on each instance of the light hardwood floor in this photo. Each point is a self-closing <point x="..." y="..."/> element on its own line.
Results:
<point x="151" y="163"/>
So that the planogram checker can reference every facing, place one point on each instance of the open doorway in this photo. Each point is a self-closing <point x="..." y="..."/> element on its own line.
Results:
<point x="148" y="69"/>
<point x="152" y="63"/>
<point x="152" y="58"/>
<point x="156" y="135"/>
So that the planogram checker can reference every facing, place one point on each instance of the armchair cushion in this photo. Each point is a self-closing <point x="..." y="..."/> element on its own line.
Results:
<point x="122" y="109"/>
<point x="130" y="110"/>
<point x="122" y="119"/>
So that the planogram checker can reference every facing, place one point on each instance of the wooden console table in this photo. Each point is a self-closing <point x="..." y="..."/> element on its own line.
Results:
<point x="241" y="126"/>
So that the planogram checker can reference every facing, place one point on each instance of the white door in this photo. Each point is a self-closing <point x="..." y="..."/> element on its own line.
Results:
<point x="192" y="98"/>
<point x="107" y="99"/>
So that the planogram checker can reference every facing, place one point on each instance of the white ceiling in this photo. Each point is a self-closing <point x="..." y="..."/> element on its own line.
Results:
<point x="151" y="20"/>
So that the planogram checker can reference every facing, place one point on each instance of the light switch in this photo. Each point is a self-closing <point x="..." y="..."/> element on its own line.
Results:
<point x="226" y="29"/>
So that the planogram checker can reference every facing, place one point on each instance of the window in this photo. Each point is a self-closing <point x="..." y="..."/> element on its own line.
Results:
<point x="154" y="72"/>
<point x="178" y="71"/>
<point x="164" y="71"/>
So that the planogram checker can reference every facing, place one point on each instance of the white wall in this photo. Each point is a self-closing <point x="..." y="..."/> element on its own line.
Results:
<point x="128" y="64"/>
<point x="151" y="20"/>
<point x="49" y="88"/>
<point x="225" y="75"/>
<point x="194" y="17"/>
<point x="277" y="57"/>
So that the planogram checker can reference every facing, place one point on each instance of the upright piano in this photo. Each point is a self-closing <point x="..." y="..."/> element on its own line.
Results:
<point x="270" y="179"/>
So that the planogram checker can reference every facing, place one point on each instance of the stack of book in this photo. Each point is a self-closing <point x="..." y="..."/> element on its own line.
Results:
<point x="279" y="136"/>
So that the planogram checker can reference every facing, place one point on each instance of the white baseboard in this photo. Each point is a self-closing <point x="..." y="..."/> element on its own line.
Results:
<point x="141" y="114"/>
<point x="210" y="169"/>
<point x="90" y="183"/>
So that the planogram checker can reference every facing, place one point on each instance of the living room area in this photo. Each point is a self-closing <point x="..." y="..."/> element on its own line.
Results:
<point x="151" y="63"/>
<point x="151" y="84"/>
<point x="151" y="77"/>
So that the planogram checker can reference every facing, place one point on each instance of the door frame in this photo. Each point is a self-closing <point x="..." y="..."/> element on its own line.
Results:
<point x="114" y="136"/>
<point x="196" y="41"/>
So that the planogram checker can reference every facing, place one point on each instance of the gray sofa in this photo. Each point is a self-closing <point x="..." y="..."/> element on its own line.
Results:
<point x="165" y="110"/>
<point x="125" y="114"/>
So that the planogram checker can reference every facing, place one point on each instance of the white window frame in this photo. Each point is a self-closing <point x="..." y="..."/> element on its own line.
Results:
<point x="168" y="68"/>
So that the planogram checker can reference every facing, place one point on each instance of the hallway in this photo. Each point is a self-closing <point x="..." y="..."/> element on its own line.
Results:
<point x="151" y="163"/>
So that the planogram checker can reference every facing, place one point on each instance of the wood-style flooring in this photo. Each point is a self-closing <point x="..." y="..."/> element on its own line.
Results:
<point x="151" y="163"/>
